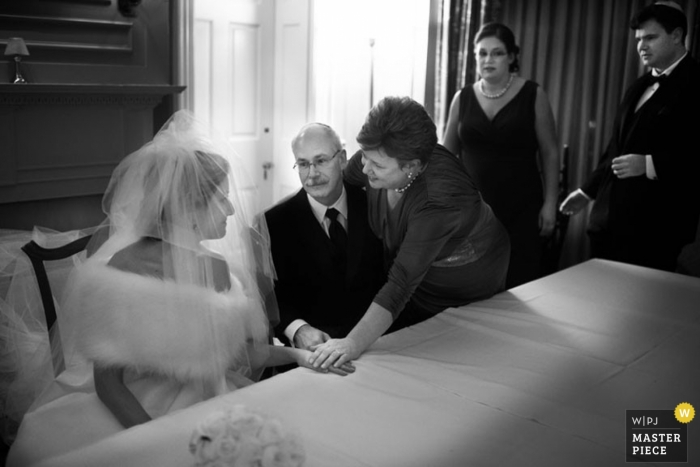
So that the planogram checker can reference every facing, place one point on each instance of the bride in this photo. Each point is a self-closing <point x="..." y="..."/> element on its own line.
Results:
<point x="169" y="309"/>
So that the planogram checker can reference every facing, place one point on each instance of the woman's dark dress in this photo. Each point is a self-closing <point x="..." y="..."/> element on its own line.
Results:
<point x="500" y="154"/>
<point x="443" y="246"/>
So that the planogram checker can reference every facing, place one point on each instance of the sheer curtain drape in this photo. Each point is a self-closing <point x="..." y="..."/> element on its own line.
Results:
<point x="457" y="24"/>
<point x="583" y="55"/>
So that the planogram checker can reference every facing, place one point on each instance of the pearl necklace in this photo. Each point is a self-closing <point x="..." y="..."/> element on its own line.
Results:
<point x="411" y="178"/>
<point x="405" y="187"/>
<point x="499" y="93"/>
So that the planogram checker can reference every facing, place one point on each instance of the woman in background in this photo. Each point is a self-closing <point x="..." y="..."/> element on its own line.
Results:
<point x="498" y="126"/>
<point x="443" y="246"/>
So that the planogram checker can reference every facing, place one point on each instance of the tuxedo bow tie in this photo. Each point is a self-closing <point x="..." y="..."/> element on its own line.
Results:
<point x="656" y="79"/>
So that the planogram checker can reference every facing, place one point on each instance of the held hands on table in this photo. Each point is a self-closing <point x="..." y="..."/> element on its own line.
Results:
<point x="309" y="338"/>
<point x="338" y="353"/>
<point x="627" y="166"/>
<point x="342" y="369"/>
<point x="334" y="354"/>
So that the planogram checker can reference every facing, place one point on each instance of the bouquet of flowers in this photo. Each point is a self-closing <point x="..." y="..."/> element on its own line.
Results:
<point x="240" y="437"/>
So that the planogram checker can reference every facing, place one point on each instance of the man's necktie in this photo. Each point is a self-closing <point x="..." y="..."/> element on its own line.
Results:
<point x="338" y="235"/>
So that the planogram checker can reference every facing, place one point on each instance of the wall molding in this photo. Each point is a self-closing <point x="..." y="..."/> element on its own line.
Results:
<point x="84" y="94"/>
<point x="65" y="21"/>
<point x="64" y="140"/>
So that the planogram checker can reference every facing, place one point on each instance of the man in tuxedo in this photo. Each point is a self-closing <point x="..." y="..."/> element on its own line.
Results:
<point x="329" y="264"/>
<point x="646" y="202"/>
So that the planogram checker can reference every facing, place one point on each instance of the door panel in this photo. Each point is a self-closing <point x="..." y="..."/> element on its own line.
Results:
<point x="292" y="47"/>
<point x="233" y="79"/>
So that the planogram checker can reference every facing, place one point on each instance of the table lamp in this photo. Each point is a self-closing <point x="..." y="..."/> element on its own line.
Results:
<point x="17" y="47"/>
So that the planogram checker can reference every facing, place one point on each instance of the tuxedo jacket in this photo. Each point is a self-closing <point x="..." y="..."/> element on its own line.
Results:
<point x="645" y="221"/>
<point x="310" y="283"/>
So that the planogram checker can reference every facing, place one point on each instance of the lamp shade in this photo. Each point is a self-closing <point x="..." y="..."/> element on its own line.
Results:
<point x="16" y="46"/>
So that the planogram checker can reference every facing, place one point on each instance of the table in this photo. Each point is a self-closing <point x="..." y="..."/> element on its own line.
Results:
<point x="540" y="375"/>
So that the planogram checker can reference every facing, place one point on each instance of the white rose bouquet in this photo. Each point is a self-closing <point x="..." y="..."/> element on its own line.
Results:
<point x="240" y="437"/>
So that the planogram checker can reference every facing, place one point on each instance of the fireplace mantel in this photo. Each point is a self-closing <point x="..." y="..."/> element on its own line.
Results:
<point x="64" y="140"/>
<point x="66" y="94"/>
<point x="60" y="88"/>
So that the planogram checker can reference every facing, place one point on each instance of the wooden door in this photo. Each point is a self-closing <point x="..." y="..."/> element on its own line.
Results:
<point x="233" y="79"/>
<point x="292" y="85"/>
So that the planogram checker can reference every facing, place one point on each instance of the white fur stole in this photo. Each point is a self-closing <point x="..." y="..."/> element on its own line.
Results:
<point x="152" y="325"/>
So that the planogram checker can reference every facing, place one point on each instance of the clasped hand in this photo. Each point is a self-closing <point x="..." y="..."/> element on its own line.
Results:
<point x="629" y="165"/>
<point x="321" y="353"/>
<point x="307" y="358"/>
<point x="308" y="336"/>
<point x="334" y="353"/>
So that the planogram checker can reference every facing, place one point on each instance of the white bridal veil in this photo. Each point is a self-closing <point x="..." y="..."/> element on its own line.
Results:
<point x="187" y="194"/>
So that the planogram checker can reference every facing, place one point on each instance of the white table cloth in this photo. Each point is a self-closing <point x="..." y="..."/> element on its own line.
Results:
<point x="540" y="375"/>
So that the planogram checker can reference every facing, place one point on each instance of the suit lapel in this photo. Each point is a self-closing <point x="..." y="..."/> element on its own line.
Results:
<point x="670" y="91"/>
<point x="313" y="236"/>
<point x="630" y="104"/>
<point x="666" y="95"/>
<point x="356" y="210"/>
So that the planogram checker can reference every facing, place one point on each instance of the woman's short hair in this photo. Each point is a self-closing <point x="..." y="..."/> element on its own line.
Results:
<point x="505" y="35"/>
<point x="669" y="15"/>
<point x="401" y="127"/>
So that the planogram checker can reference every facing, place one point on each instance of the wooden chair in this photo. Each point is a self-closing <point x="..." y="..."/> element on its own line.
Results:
<point x="37" y="255"/>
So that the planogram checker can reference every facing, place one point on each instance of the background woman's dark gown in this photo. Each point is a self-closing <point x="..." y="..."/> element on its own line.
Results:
<point x="500" y="154"/>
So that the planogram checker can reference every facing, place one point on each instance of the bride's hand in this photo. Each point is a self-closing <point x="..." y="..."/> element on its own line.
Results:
<point x="334" y="353"/>
<point x="342" y="370"/>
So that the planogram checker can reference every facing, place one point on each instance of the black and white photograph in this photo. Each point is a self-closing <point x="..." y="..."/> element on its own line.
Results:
<point x="349" y="233"/>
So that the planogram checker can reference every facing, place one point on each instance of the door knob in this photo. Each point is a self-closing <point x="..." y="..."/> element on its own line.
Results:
<point x="267" y="166"/>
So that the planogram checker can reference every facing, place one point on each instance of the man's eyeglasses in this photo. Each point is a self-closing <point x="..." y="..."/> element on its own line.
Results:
<point x="303" y="167"/>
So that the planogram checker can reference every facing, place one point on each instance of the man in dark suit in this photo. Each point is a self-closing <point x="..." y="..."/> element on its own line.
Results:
<point x="329" y="265"/>
<point x="646" y="202"/>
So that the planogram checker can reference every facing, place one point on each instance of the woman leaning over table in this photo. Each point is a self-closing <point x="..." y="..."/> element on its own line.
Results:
<point x="443" y="246"/>
<point x="497" y="126"/>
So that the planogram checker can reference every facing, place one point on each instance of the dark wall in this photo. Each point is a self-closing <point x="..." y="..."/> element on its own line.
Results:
<point x="100" y="81"/>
